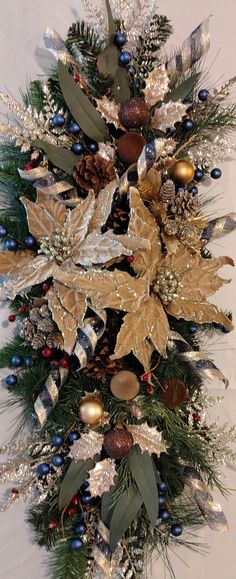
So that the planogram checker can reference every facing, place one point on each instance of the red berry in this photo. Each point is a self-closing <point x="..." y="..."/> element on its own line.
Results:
<point x="53" y="524"/>
<point x="196" y="417"/>
<point x="72" y="511"/>
<point x="46" y="287"/>
<point x="11" y="317"/>
<point x="47" y="352"/>
<point x="28" y="166"/>
<point x="150" y="389"/>
<point x="145" y="377"/>
<point x="75" y="500"/>
<point x="64" y="363"/>
<point x="76" y="78"/>
<point x="130" y="259"/>
<point x="22" y="309"/>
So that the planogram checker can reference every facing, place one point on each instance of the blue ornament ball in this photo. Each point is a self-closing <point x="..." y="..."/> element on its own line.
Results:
<point x="73" y="436"/>
<point x="77" y="148"/>
<point x="80" y="529"/>
<point x="17" y="360"/>
<point x="43" y="468"/>
<point x="76" y="544"/>
<point x="58" y="120"/>
<point x="194" y="191"/>
<point x="187" y="124"/>
<point x="216" y="173"/>
<point x="29" y="241"/>
<point x="176" y="529"/>
<point x="161" y="501"/>
<point x="74" y="128"/>
<point x="224" y="329"/>
<point x="120" y="39"/>
<point x="162" y="487"/>
<point x="203" y="94"/>
<point x="56" y="440"/>
<point x="57" y="460"/>
<point x="85" y="485"/>
<point x="193" y="329"/>
<point x="28" y="362"/>
<point x="198" y="174"/>
<point x="92" y="146"/>
<point x="124" y="58"/>
<point x="11" y="380"/>
<point x="3" y="231"/>
<point x="11" y="244"/>
<point x="86" y="498"/>
<point x="164" y="515"/>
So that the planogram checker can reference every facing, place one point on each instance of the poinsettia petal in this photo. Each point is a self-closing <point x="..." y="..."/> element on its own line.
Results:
<point x="200" y="312"/>
<point x="55" y="208"/>
<point x="32" y="273"/>
<point x="71" y="301"/>
<point x="40" y="222"/>
<point x="11" y="263"/>
<point x="64" y="320"/>
<point x="103" y="206"/>
<point x="131" y="242"/>
<point x="78" y="219"/>
<point x="98" y="248"/>
<point x="142" y="224"/>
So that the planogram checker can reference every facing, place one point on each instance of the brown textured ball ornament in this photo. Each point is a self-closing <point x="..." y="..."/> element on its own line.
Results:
<point x="118" y="443"/>
<point x="174" y="393"/>
<point x="91" y="409"/>
<point x="134" y="113"/>
<point x="130" y="146"/>
<point x="182" y="172"/>
<point x="124" y="385"/>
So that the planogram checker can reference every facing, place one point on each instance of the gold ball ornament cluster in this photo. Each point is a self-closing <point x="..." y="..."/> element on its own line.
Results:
<point x="134" y="113"/>
<point x="91" y="409"/>
<point x="125" y="385"/>
<point x="182" y="172"/>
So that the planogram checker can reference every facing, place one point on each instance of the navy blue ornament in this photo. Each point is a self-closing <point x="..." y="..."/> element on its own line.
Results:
<point x="216" y="173"/>
<point x="162" y="487"/>
<point x="92" y="146"/>
<point x="161" y="501"/>
<point x="85" y="485"/>
<point x="120" y="39"/>
<point x="3" y="231"/>
<point x="11" y="244"/>
<point x="57" y="460"/>
<point x="73" y="436"/>
<point x="187" y="124"/>
<point x="29" y="241"/>
<point x="58" y="120"/>
<point x="203" y="94"/>
<point x="74" y="128"/>
<point x="77" y="148"/>
<point x="11" y="380"/>
<point x="56" y="440"/>
<point x="176" y="529"/>
<point x="86" y="498"/>
<point x="124" y="58"/>
<point x="28" y="362"/>
<point x="17" y="360"/>
<point x="224" y="329"/>
<point x="193" y="329"/>
<point x="137" y="84"/>
<point x="43" y="468"/>
<point x="198" y="174"/>
<point x="80" y="529"/>
<point x="76" y="544"/>
<point x="194" y="191"/>
<point x="131" y="70"/>
<point x="164" y="515"/>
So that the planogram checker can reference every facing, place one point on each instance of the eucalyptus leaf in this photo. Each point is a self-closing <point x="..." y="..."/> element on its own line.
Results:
<point x="107" y="507"/>
<point x="125" y="511"/>
<point x="121" y="87"/>
<point x="82" y="110"/>
<point x="183" y="90"/>
<point x="74" y="478"/>
<point x="111" y="23"/>
<point x="61" y="158"/>
<point x="142" y="469"/>
<point x="107" y="61"/>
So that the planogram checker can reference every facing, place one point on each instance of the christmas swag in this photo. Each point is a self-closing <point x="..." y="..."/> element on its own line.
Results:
<point x="104" y="231"/>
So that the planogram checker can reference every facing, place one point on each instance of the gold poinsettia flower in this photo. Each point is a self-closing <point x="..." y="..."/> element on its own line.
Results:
<point x="69" y="241"/>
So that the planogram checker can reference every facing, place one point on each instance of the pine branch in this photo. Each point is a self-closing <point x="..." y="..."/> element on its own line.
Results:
<point x="68" y="564"/>
<point x="33" y="95"/>
<point x="156" y="33"/>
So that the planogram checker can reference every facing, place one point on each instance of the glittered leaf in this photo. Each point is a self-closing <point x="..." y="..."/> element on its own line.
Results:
<point x="103" y="205"/>
<point x="55" y="208"/>
<point x="142" y="224"/>
<point x="126" y="509"/>
<point x="167" y="115"/>
<point x="32" y="273"/>
<point x="40" y="222"/>
<point x="12" y="262"/>
<point x="157" y="84"/>
<point x="101" y="477"/>
<point x="78" y="219"/>
<point x="60" y="157"/>
<point x="72" y="481"/>
<point x="97" y="248"/>
<point x="110" y="111"/>
<point x="142" y="470"/>
<point x="72" y="301"/>
<point x="65" y="321"/>
<point x="148" y="438"/>
<point x="89" y="444"/>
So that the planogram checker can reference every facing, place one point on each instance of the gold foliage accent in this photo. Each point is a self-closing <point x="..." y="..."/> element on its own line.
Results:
<point x="148" y="438"/>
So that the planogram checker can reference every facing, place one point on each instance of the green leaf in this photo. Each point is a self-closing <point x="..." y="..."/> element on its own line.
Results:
<point x="184" y="89"/>
<point x="107" y="61"/>
<point x="121" y="87"/>
<point x="74" y="478"/>
<point x="107" y="507"/>
<point x="126" y="509"/>
<point x="82" y="110"/>
<point x="141" y="466"/>
<point x="111" y="23"/>
<point x="61" y="158"/>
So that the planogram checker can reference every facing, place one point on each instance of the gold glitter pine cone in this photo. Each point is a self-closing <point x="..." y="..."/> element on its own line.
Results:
<point x="93" y="172"/>
<point x="40" y="330"/>
<point x="184" y="204"/>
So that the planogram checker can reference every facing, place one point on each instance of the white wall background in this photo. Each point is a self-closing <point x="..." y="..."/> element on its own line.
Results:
<point x="22" y="23"/>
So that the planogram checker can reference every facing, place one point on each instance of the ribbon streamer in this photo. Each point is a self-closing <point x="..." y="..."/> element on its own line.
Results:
<point x="45" y="181"/>
<point x="219" y="227"/>
<point x="88" y="337"/>
<point x="53" y="42"/>
<point x="199" y="361"/>
<point x="101" y="550"/>
<point x="192" y="50"/>
<point x="210" y="509"/>
<point x="48" y="397"/>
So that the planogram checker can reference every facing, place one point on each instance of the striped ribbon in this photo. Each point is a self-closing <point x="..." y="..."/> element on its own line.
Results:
<point x="192" y="50"/>
<point x="53" y="42"/>
<point x="44" y="180"/>
<point x="48" y="397"/>
<point x="101" y="550"/>
<point x="199" y="361"/>
<point x="210" y="509"/>
<point x="219" y="227"/>
<point x="88" y="337"/>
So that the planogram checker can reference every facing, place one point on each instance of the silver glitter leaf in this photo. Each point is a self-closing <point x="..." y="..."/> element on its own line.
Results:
<point x="89" y="444"/>
<point x="102" y="477"/>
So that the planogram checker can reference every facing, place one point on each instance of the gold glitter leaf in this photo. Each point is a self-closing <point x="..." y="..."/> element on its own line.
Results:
<point x="12" y="262"/>
<point x="55" y="208"/>
<point x="109" y="110"/>
<point x="103" y="204"/>
<point x="72" y="301"/>
<point x="89" y="444"/>
<point x="148" y="438"/>
<point x="78" y="219"/>
<point x="32" y="273"/>
<point x="156" y="85"/>
<point x="102" y="477"/>
<point x="142" y="224"/>
<point x="97" y="248"/>
<point x="41" y="223"/>
<point x="64" y="320"/>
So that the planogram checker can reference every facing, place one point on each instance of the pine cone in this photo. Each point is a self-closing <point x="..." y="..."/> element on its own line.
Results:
<point x="101" y="367"/>
<point x="55" y="340"/>
<point x="167" y="194"/>
<point x="118" y="220"/>
<point x="27" y="329"/>
<point x="46" y="325"/>
<point x="184" y="204"/>
<point x="38" y="341"/>
<point x="93" y="172"/>
<point x="40" y="330"/>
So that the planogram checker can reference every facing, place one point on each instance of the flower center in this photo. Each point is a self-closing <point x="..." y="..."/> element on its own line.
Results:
<point x="167" y="285"/>
<point x="57" y="247"/>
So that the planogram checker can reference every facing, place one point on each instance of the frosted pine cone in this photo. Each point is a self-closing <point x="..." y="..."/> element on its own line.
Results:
<point x="167" y="194"/>
<point x="184" y="204"/>
<point x="40" y="330"/>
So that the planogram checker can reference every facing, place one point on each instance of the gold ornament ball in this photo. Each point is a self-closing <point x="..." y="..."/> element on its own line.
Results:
<point x="182" y="172"/>
<point x="124" y="385"/>
<point x="91" y="412"/>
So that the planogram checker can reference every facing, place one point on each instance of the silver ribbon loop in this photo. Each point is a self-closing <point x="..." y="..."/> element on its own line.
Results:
<point x="48" y="397"/>
<point x="44" y="180"/>
<point x="192" y="50"/>
<point x="53" y="42"/>
<point x="219" y="227"/>
<point x="88" y="337"/>
<point x="210" y="509"/>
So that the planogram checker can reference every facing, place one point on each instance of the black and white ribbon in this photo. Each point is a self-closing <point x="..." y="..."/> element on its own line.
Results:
<point x="88" y="337"/>
<point x="210" y="509"/>
<point x="49" y="395"/>
<point x="192" y="50"/>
